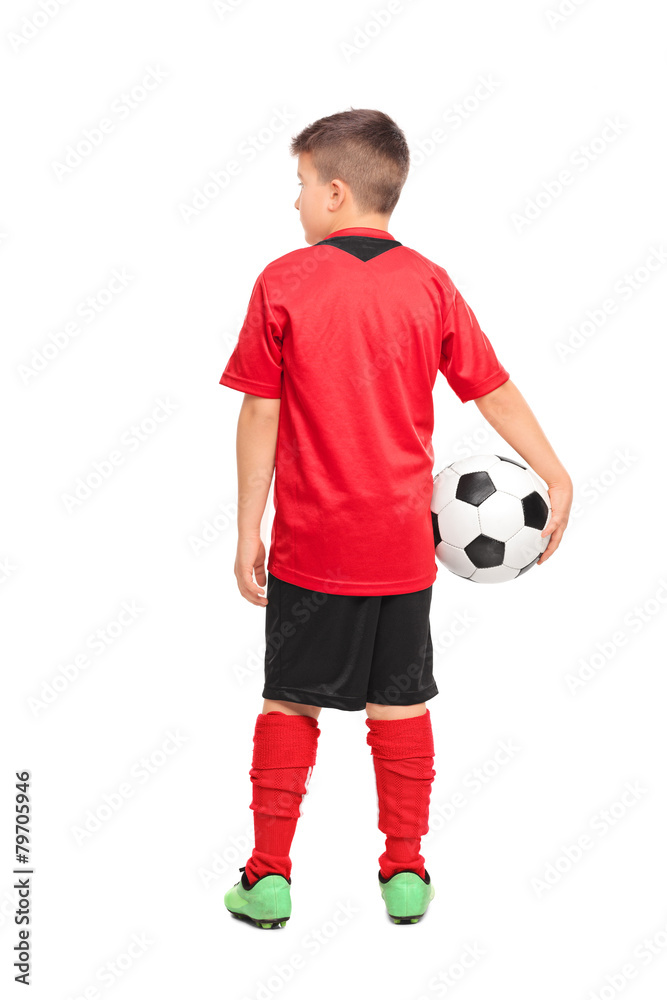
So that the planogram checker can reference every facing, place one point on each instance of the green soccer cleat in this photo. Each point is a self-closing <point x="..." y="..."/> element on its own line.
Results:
<point x="406" y="895"/>
<point x="267" y="903"/>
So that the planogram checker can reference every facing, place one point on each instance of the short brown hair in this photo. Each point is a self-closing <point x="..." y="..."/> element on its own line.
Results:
<point x="363" y="147"/>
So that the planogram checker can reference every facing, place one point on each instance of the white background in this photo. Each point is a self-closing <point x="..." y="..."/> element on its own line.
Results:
<point x="190" y="660"/>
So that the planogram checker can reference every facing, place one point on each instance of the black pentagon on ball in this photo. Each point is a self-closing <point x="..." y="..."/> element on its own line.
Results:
<point x="526" y="568"/>
<point x="437" y="537"/>
<point x="511" y="460"/>
<point x="535" y="511"/>
<point x="484" y="552"/>
<point x="474" y="487"/>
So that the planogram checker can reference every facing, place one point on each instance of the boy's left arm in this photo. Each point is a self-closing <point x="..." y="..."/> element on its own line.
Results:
<point x="509" y="414"/>
<point x="256" y="437"/>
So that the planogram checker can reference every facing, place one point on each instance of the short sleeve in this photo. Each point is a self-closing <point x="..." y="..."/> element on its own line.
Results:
<point x="255" y="365"/>
<point x="467" y="359"/>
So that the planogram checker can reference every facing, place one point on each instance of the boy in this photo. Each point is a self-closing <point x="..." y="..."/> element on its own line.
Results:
<point x="337" y="359"/>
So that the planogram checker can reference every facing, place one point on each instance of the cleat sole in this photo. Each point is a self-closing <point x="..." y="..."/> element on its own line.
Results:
<point x="264" y="924"/>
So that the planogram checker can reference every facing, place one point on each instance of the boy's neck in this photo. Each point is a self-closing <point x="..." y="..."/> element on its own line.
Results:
<point x="361" y="221"/>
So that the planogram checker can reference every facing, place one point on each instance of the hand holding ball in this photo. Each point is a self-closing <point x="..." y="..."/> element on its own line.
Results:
<point x="488" y="513"/>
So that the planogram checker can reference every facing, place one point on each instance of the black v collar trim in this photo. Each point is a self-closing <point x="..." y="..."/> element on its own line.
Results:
<point x="363" y="247"/>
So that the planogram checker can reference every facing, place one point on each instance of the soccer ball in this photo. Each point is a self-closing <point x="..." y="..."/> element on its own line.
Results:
<point x="488" y="512"/>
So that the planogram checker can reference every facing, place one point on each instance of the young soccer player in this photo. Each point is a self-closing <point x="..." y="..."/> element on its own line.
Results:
<point x="337" y="358"/>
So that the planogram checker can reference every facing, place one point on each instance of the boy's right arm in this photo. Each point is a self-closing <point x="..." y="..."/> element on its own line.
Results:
<point x="509" y="414"/>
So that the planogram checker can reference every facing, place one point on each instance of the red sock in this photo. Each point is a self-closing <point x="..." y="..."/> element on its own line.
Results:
<point x="285" y="748"/>
<point x="403" y="757"/>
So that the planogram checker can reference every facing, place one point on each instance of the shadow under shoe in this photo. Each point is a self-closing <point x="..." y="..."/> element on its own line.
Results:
<point x="266" y="903"/>
<point x="406" y="895"/>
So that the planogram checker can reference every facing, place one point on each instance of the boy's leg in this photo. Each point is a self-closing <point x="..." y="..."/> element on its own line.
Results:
<point x="284" y="753"/>
<point x="401" y="741"/>
<point x="291" y="708"/>
<point x="394" y="711"/>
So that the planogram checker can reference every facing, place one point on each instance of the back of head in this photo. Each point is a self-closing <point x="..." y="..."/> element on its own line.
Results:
<point x="363" y="147"/>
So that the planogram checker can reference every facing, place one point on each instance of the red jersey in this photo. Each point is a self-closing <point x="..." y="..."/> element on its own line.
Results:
<point x="350" y="334"/>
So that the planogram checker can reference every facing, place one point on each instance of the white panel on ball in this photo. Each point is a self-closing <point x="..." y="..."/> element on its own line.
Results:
<point x="458" y="523"/>
<point x="501" y="516"/>
<point x="523" y="547"/>
<point x="494" y="574"/>
<point x="512" y="479"/>
<point x="454" y="559"/>
<point x="444" y="489"/>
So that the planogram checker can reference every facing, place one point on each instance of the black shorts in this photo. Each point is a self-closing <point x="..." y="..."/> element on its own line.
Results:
<point x="341" y="651"/>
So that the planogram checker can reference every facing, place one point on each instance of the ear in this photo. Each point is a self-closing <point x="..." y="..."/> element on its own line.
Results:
<point x="338" y="191"/>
